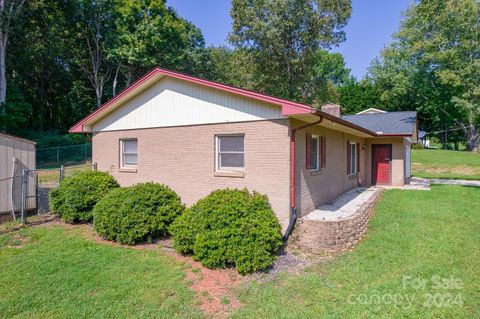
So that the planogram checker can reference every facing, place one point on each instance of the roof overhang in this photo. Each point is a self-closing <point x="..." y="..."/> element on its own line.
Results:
<point x="84" y="126"/>
<point x="333" y="123"/>
<point x="291" y="109"/>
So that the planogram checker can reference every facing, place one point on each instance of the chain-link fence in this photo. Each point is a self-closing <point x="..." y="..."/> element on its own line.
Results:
<point x="10" y="198"/>
<point x="27" y="195"/>
<point x="64" y="155"/>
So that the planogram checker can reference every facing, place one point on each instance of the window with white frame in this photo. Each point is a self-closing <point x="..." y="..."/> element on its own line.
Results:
<point x="315" y="153"/>
<point x="129" y="153"/>
<point x="230" y="151"/>
<point x="353" y="158"/>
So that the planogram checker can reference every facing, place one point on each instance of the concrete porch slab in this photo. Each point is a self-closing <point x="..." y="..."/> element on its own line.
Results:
<point x="338" y="226"/>
<point x="344" y="205"/>
<point x="416" y="183"/>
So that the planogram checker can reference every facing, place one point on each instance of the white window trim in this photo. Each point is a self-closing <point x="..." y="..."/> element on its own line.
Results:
<point x="217" y="155"/>
<point x="122" y="154"/>
<point x="355" y="171"/>
<point x="318" y="163"/>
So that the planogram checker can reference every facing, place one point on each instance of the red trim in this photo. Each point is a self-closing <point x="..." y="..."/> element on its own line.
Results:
<point x="348" y="157"/>
<point x="358" y="157"/>
<point x="292" y="159"/>
<point x="288" y="107"/>
<point x="324" y="152"/>
<point x="308" y="150"/>
<point x="78" y="127"/>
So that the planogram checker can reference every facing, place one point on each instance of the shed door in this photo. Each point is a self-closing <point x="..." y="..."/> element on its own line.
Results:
<point x="381" y="159"/>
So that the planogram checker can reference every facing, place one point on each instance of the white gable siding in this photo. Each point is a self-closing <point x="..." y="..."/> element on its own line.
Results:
<point x="172" y="102"/>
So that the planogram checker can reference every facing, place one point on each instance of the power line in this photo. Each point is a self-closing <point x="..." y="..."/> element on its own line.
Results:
<point x="447" y="130"/>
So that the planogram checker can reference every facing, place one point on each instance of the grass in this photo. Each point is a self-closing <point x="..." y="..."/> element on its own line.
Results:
<point x="445" y="164"/>
<point x="52" y="175"/>
<point x="59" y="272"/>
<point x="414" y="233"/>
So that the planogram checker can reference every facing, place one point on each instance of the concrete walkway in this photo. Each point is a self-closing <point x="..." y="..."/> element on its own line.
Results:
<point x="416" y="183"/>
<point x="460" y="182"/>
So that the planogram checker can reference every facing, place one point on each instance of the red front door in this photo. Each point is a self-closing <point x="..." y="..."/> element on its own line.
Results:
<point x="381" y="157"/>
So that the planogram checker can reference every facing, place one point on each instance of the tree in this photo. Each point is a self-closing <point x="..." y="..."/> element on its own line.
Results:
<point x="356" y="96"/>
<point x="65" y="57"/>
<point x="283" y="38"/>
<point x="150" y="34"/>
<point x="434" y="65"/>
<point x="9" y="10"/>
<point x="94" y="27"/>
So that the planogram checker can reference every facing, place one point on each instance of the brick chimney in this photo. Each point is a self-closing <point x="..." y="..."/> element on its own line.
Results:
<point x="333" y="109"/>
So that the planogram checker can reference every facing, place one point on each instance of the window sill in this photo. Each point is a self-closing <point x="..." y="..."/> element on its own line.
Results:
<point x="229" y="174"/>
<point x="353" y="176"/>
<point x="316" y="172"/>
<point x="127" y="170"/>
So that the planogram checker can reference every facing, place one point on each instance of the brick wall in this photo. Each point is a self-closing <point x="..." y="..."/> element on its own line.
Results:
<point x="183" y="158"/>
<point x="314" y="189"/>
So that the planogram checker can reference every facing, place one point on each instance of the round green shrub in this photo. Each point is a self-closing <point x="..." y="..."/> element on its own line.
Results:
<point x="137" y="213"/>
<point x="229" y="227"/>
<point x="76" y="196"/>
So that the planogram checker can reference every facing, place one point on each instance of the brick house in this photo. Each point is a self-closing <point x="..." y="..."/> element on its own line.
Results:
<point x="197" y="136"/>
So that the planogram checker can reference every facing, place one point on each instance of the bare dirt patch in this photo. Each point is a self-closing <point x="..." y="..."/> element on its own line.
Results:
<point x="16" y="240"/>
<point x="214" y="288"/>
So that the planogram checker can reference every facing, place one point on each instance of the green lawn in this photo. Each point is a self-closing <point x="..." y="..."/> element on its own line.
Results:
<point x="60" y="272"/>
<point x="445" y="164"/>
<point x="57" y="273"/>
<point x="414" y="233"/>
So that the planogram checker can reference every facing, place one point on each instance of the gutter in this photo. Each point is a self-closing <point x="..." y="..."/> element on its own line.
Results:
<point x="343" y="122"/>
<point x="293" y="208"/>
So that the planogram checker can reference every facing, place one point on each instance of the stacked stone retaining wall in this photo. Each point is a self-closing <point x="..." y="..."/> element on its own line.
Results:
<point x="330" y="236"/>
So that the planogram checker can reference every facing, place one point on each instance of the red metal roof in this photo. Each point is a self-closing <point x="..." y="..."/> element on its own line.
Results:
<point x="288" y="107"/>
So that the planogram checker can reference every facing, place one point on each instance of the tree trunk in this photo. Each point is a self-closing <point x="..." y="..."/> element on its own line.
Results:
<point x="115" y="78"/>
<point x="98" y="94"/>
<point x="129" y="76"/>
<point x="472" y="134"/>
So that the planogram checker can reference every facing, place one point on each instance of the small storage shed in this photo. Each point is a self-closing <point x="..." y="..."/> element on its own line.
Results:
<point x="16" y="154"/>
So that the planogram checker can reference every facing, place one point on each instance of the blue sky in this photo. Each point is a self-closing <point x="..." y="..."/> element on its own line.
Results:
<point x="370" y="27"/>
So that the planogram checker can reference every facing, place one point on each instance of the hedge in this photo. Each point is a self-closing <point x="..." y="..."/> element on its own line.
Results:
<point x="137" y="213"/>
<point x="76" y="196"/>
<point x="229" y="227"/>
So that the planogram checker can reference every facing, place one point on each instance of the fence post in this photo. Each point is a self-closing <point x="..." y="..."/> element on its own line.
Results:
<point x="62" y="173"/>
<point x="58" y="155"/>
<point x="24" y="195"/>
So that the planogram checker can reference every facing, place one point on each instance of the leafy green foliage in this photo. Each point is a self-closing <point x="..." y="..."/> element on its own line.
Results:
<point x="76" y="196"/>
<point x="433" y="66"/>
<point x="137" y="213"/>
<point x="229" y="227"/>
<point x="412" y="236"/>
<point x="358" y="96"/>
<point x="284" y="40"/>
<point x="69" y="56"/>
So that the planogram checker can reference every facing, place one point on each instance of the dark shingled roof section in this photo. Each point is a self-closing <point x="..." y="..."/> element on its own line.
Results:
<point x="387" y="123"/>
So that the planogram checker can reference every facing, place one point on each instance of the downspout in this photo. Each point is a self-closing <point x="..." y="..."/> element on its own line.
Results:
<point x="293" y="208"/>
